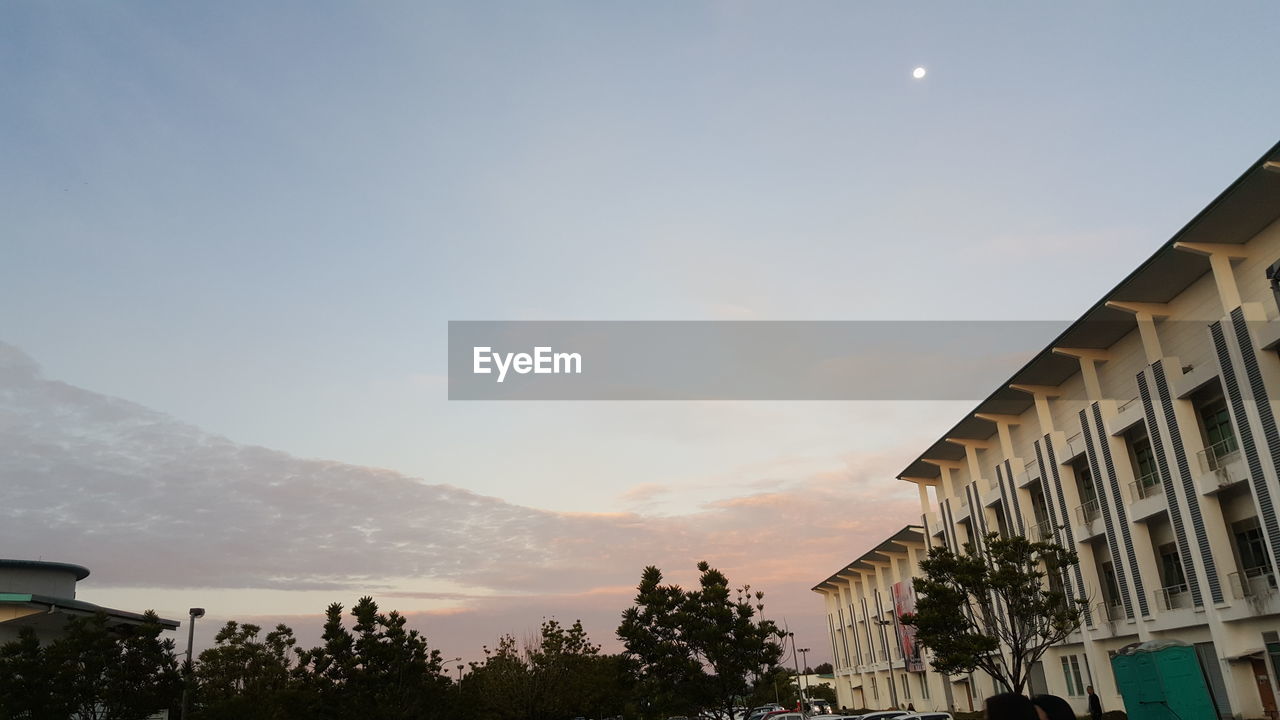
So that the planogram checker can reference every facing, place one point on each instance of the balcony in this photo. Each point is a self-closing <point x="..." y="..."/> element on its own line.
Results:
<point x="1173" y="597"/>
<point x="1146" y="495"/>
<point x="1130" y="413"/>
<point x="992" y="495"/>
<point x="1268" y="334"/>
<point x="1030" y="474"/>
<point x="1108" y="621"/>
<point x="1253" y="593"/>
<point x="1075" y="447"/>
<point x="1221" y="467"/>
<point x="1089" y="520"/>
<point x="1040" y="532"/>
<point x="1193" y="378"/>
<point x="1252" y="583"/>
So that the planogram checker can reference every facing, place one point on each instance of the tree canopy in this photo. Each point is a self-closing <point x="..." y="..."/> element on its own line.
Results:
<point x="95" y="670"/>
<point x="997" y="610"/>
<point x="699" y="649"/>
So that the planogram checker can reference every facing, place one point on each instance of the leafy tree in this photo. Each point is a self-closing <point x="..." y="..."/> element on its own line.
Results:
<point x="378" y="670"/>
<point x="500" y="686"/>
<point x="824" y="669"/>
<point x="775" y="686"/>
<point x="697" y="650"/>
<point x="101" y="671"/>
<point x="822" y="691"/>
<point x="561" y="674"/>
<point x="997" y="611"/>
<point x="27" y="682"/>
<point x="243" y="677"/>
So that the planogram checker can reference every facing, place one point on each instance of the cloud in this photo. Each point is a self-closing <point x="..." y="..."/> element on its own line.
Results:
<point x="147" y="501"/>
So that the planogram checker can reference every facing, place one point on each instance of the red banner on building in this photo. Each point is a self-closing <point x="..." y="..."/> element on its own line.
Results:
<point x="904" y="601"/>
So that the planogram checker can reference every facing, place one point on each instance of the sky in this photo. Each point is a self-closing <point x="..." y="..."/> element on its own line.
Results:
<point x="254" y="221"/>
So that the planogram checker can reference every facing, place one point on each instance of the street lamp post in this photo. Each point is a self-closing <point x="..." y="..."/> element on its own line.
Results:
<point x="193" y="613"/>
<point x="459" y="661"/>
<point x="796" y="665"/>
<point x="804" y="658"/>
<point x="888" y="656"/>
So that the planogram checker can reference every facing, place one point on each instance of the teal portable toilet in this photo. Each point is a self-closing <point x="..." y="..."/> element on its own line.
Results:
<point x="1162" y="681"/>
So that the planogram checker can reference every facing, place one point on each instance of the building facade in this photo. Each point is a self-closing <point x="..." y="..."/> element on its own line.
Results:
<point x="42" y="596"/>
<point x="1145" y="438"/>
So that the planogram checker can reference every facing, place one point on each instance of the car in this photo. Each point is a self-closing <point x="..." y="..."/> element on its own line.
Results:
<point x="818" y="707"/>
<point x="928" y="716"/>
<point x="759" y="712"/>
<point x="885" y="714"/>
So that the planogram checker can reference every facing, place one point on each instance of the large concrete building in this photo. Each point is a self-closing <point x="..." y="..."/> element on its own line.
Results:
<point x="1144" y="437"/>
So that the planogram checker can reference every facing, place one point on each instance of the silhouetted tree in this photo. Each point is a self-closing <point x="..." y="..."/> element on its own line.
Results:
<point x="560" y="674"/>
<point x="243" y="677"/>
<point x="699" y="649"/>
<point x="27" y="681"/>
<point x="98" y="670"/>
<point x="381" y="671"/>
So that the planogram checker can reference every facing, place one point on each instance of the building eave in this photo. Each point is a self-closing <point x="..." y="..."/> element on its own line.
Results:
<point x="1245" y="208"/>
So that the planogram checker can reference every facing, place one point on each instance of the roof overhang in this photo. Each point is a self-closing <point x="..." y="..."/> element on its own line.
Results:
<point x="1245" y="208"/>
<point x="49" y="605"/>
<point x="895" y="543"/>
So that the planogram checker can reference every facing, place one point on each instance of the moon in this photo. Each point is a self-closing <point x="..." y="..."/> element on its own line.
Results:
<point x="918" y="73"/>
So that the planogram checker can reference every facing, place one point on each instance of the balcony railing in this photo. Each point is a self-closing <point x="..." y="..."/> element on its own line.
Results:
<point x="1075" y="444"/>
<point x="1251" y="582"/>
<point x="1219" y="454"/>
<point x="1040" y="531"/>
<point x="1088" y="512"/>
<point x="1107" y="612"/>
<point x="1173" y="597"/>
<point x="1146" y="486"/>
<point x="1129" y="403"/>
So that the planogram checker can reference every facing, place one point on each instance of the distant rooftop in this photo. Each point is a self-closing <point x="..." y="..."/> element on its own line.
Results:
<point x="81" y="572"/>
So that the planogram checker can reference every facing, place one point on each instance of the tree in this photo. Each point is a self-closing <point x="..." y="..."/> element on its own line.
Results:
<point x="822" y="691"/>
<point x="27" y="682"/>
<point x="824" y="669"/>
<point x="559" y="674"/>
<point x="698" y="650"/>
<point x="778" y="685"/>
<point x="243" y="677"/>
<point x="997" y="611"/>
<point x="104" y="671"/>
<point x="379" y="670"/>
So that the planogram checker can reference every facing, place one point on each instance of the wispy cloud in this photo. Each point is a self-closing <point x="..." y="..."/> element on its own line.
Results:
<point x="149" y="502"/>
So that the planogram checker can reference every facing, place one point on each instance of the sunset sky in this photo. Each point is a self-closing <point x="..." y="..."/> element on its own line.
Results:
<point x="234" y="233"/>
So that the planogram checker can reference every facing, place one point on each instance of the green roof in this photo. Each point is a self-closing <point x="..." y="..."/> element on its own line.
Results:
<point x="79" y="607"/>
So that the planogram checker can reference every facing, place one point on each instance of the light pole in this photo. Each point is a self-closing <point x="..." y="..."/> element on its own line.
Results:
<point x="193" y="613"/>
<point x="804" y="658"/>
<point x="888" y="656"/>
<point x="797" y="668"/>
<point x="459" y="661"/>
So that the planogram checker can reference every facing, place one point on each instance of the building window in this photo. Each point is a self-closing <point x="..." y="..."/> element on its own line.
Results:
<point x="1088" y="492"/>
<point x="906" y="687"/>
<point x="1252" y="547"/>
<point x="1171" y="567"/>
<point x="1219" y="435"/>
<point x="1144" y="461"/>
<point x="875" y="689"/>
<point x="1071" y="671"/>
<point x="924" y="685"/>
<point x="1110" y="588"/>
